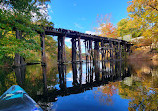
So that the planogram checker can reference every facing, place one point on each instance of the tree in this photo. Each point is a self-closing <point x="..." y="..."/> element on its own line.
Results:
<point x="16" y="21"/>
<point x="106" y="28"/>
<point x="128" y="26"/>
<point x="146" y="11"/>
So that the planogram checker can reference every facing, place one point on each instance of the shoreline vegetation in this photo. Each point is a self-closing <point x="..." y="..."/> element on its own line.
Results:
<point x="18" y="40"/>
<point x="143" y="53"/>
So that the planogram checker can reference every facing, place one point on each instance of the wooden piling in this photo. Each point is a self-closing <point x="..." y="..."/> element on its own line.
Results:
<point x="102" y="50"/>
<point x="120" y="52"/>
<point x="73" y="40"/>
<point x="87" y="49"/>
<point x="80" y="52"/>
<point x="111" y="53"/>
<point x="43" y="58"/>
<point x="61" y="49"/>
<point x="116" y="48"/>
<point x="90" y="50"/>
<point x="96" y="51"/>
<point x="64" y="50"/>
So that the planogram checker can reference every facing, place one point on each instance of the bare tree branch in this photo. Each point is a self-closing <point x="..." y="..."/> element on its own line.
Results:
<point x="153" y="7"/>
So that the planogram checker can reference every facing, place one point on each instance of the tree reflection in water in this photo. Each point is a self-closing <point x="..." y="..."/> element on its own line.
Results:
<point x="104" y="93"/>
<point x="141" y="88"/>
<point x="134" y="81"/>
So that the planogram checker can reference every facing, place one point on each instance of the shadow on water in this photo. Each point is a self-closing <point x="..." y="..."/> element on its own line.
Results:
<point x="135" y="83"/>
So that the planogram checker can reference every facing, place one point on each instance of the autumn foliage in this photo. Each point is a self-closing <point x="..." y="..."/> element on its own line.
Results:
<point x="106" y="27"/>
<point x="145" y="14"/>
<point x="142" y="21"/>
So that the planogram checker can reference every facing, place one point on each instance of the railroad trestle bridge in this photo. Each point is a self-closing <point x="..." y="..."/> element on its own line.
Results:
<point x="109" y="48"/>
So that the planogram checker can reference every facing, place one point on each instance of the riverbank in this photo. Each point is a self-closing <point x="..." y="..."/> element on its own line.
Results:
<point x="144" y="53"/>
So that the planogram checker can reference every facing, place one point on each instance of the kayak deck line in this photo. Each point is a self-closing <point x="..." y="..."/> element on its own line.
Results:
<point x="16" y="99"/>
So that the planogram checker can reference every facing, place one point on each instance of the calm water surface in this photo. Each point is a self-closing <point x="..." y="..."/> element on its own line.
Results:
<point x="103" y="86"/>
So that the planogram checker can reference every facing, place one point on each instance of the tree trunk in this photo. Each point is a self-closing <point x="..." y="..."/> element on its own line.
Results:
<point x="18" y="60"/>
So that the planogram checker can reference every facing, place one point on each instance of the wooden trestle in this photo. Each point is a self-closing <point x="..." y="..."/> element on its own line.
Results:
<point x="108" y="48"/>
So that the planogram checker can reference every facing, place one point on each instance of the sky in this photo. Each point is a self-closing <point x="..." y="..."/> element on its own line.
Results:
<point x="81" y="15"/>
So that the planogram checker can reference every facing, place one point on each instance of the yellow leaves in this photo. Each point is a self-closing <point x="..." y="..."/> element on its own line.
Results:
<point x="147" y="33"/>
<point x="130" y="8"/>
<point x="144" y="14"/>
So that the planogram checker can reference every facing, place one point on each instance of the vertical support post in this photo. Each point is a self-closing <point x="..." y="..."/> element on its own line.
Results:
<point x="114" y="46"/>
<point x="43" y="58"/>
<point x="90" y="50"/>
<point x="85" y="48"/>
<point x="64" y="50"/>
<point x="107" y="52"/>
<point x="102" y="49"/>
<point x="124" y="50"/>
<point x="61" y="49"/>
<point x="120" y="51"/>
<point x="111" y="50"/>
<point x="79" y="45"/>
<point x="117" y="50"/>
<point x="73" y="40"/>
<point x="96" y="51"/>
<point x="87" y="56"/>
<point x="128" y="49"/>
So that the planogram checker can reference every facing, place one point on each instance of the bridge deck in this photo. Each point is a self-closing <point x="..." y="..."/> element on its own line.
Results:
<point x="75" y="34"/>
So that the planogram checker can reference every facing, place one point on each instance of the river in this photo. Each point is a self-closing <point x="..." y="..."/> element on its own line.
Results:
<point x="102" y="86"/>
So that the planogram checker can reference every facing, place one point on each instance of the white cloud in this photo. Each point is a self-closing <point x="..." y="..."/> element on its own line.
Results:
<point x="67" y="39"/>
<point x="78" y="26"/>
<point x="90" y="32"/>
<point x="93" y="33"/>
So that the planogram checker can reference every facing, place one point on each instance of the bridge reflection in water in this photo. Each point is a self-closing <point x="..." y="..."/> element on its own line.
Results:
<point x="83" y="79"/>
<point x="87" y="85"/>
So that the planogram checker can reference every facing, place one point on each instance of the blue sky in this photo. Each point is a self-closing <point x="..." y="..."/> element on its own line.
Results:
<point x="80" y="15"/>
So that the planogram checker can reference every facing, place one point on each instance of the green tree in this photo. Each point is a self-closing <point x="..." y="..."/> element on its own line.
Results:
<point x="18" y="20"/>
<point x="146" y="11"/>
<point x="128" y="26"/>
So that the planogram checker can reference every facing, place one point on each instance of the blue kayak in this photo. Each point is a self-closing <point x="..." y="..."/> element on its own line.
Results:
<point x="16" y="99"/>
